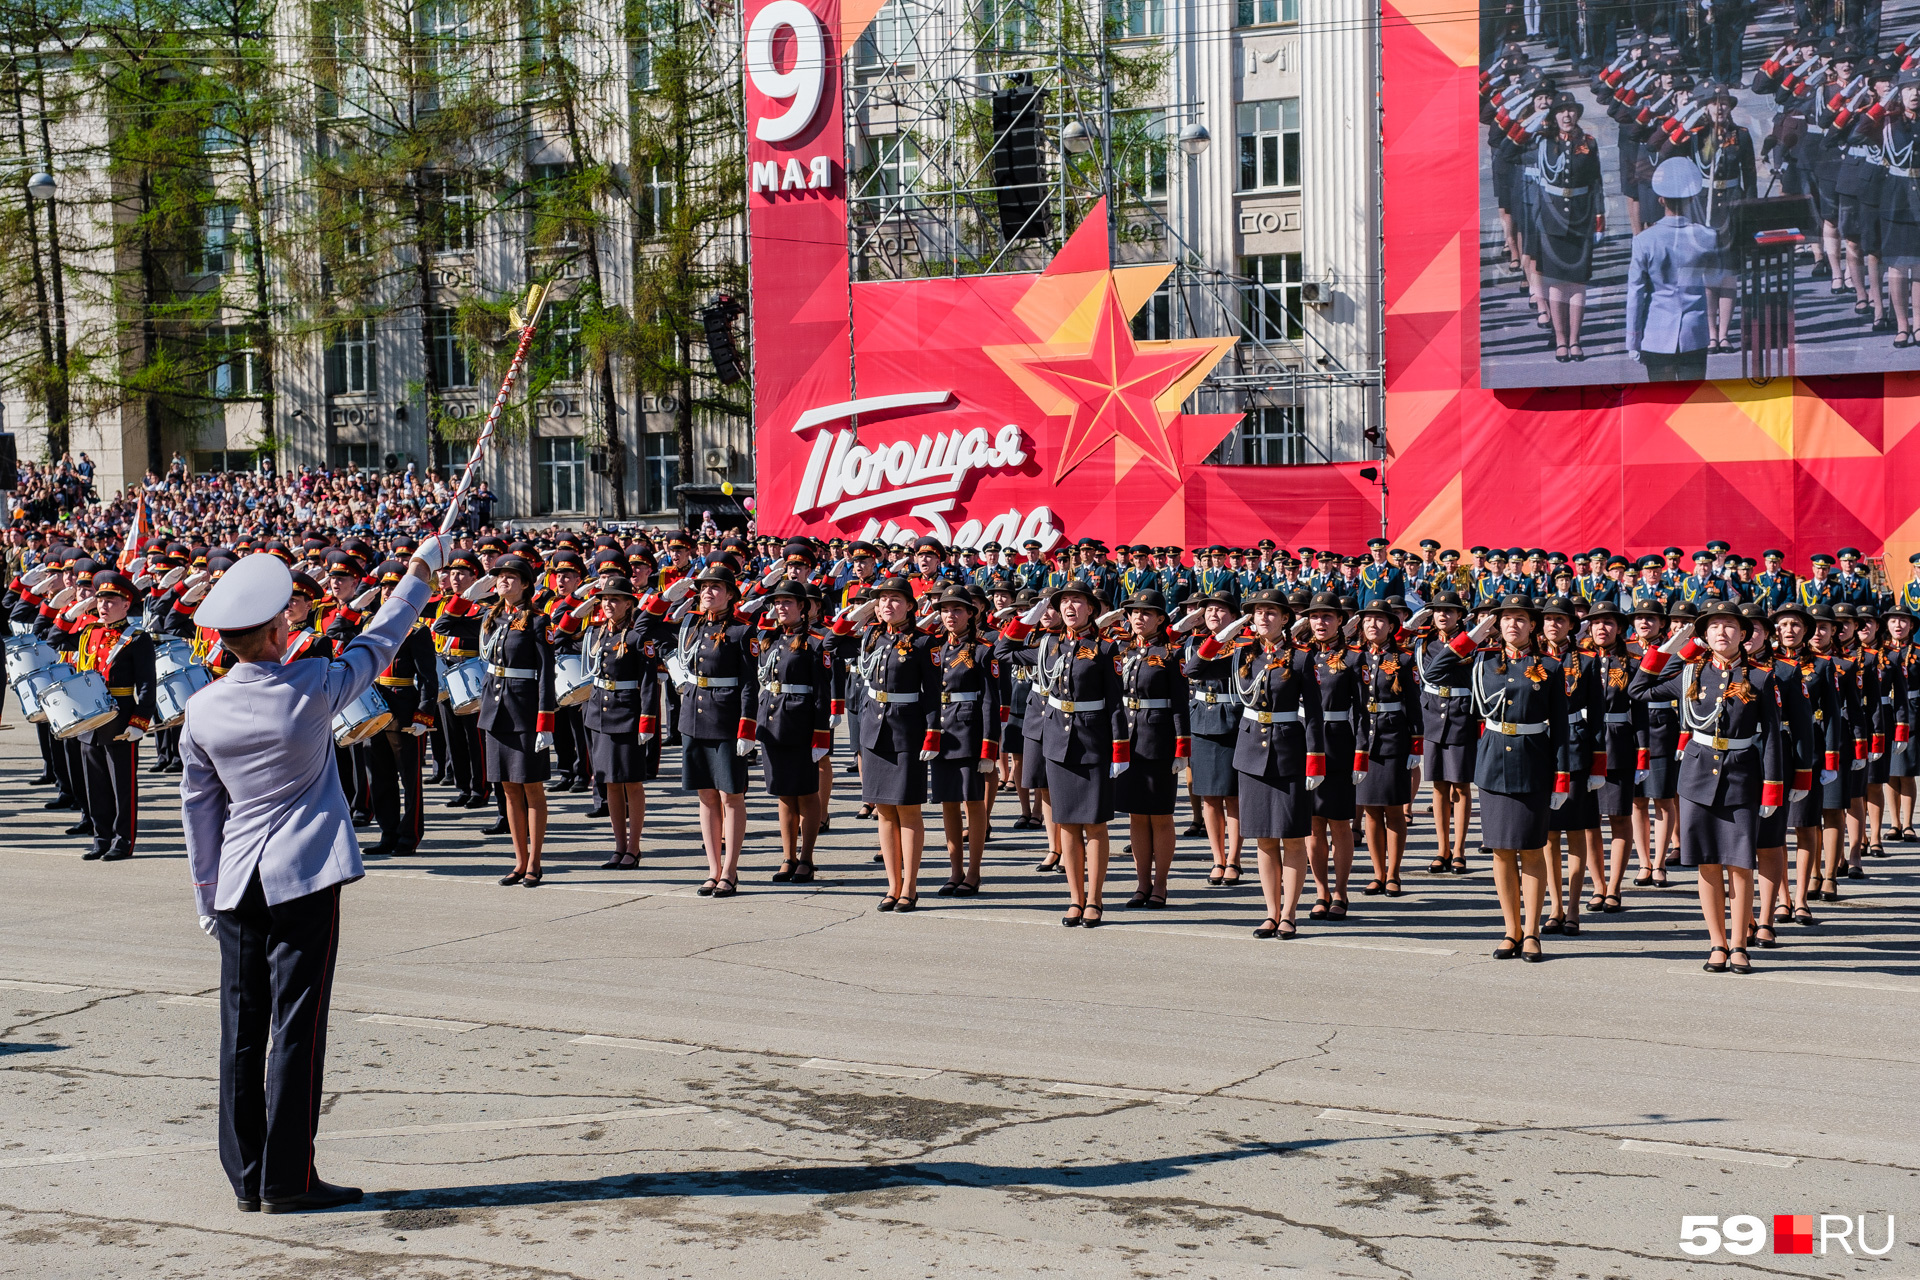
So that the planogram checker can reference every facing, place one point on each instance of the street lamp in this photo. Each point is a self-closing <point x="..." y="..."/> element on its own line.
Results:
<point x="1194" y="139"/>
<point x="1076" y="138"/>
<point x="41" y="186"/>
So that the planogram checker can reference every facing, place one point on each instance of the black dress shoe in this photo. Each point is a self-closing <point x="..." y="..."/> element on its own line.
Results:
<point x="247" y="1204"/>
<point x="457" y="802"/>
<point x="321" y="1195"/>
<point x="84" y="827"/>
<point x="118" y="853"/>
<point x="479" y="802"/>
<point x="581" y="784"/>
<point x="176" y="766"/>
<point x="598" y="811"/>
<point x="93" y="855"/>
<point x="44" y="780"/>
<point x="60" y="802"/>
<point x="496" y="828"/>
<point x="439" y="776"/>
<point x="380" y="850"/>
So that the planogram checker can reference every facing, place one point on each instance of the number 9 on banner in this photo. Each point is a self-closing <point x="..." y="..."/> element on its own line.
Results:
<point x="804" y="83"/>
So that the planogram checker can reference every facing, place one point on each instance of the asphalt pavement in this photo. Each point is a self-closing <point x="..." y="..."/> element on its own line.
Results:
<point x="611" y="1076"/>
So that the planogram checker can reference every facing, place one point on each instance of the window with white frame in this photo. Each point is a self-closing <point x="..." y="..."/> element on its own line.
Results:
<point x="452" y="212"/>
<point x="447" y="45"/>
<point x="1272" y="296"/>
<point x="660" y="470"/>
<point x="890" y="40"/>
<point x="1140" y="154"/>
<point x="235" y="369"/>
<point x="350" y="359"/>
<point x="1154" y="321"/>
<point x="893" y="166"/>
<point x="1135" y="19"/>
<point x="1273" y="435"/>
<point x="561" y="353"/>
<point x="450" y="364"/>
<point x="561" y="481"/>
<point x="550" y="204"/>
<point x="1269" y="135"/>
<point x="219" y="239"/>
<point x="1010" y="24"/>
<point x="1252" y="13"/>
<point x="354" y="212"/>
<point x="655" y="206"/>
<point x="653" y="20"/>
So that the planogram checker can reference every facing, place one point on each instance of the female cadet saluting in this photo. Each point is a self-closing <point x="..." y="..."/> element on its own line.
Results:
<point x="622" y="714"/>
<point x="1013" y="650"/>
<point x="1579" y="818"/>
<point x="1732" y="767"/>
<point x="893" y="676"/>
<point x="1452" y="737"/>
<point x="713" y="667"/>
<point x="1281" y="756"/>
<point x="1336" y="670"/>
<point x="1803" y="753"/>
<point x="1213" y="716"/>
<point x="968" y="719"/>
<point x="1794" y="627"/>
<point x="1386" y="684"/>
<point x="1155" y="696"/>
<point x="1083" y="736"/>
<point x="516" y="711"/>
<point x="1525" y="758"/>
<point x="1621" y="736"/>
<point x="795" y="724"/>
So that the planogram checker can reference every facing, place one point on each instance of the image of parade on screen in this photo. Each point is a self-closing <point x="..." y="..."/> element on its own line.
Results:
<point x="1697" y="189"/>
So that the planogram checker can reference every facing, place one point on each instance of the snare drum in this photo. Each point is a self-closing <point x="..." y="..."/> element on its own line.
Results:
<point x="463" y="685"/>
<point x="27" y="654"/>
<point x="79" y="704"/>
<point x="33" y="687"/>
<point x="171" y="654"/>
<point x="172" y="689"/>
<point x="360" y="719"/>
<point x="572" y="684"/>
<point x="440" y="670"/>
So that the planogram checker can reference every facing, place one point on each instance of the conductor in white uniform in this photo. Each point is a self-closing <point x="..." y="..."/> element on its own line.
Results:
<point x="270" y="842"/>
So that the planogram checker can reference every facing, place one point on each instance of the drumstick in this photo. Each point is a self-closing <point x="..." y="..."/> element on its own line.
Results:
<point x="536" y="303"/>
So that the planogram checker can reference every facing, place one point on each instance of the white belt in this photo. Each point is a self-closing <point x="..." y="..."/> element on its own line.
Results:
<point x="616" y="685"/>
<point x="1508" y="728"/>
<point x="716" y="682"/>
<point x="1098" y="704"/>
<point x="1147" y="704"/>
<point x="1665" y="706"/>
<point x="970" y="696"/>
<point x="1886" y="699"/>
<point x="881" y="695"/>
<point x="1213" y="696"/>
<point x="1270" y="717"/>
<point x="514" y="673"/>
<point x="1446" y="691"/>
<point x="1619" y="717"/>
<point x="1382" y="708"/>
<point x="1727" y="744"/>
<point x="1569" y="192"/>
<point x="1337" y="717"/>
<point x="1898" y="172"/>
<point x="776" y="688"/>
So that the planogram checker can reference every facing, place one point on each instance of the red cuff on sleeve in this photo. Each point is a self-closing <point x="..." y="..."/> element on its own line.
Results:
<point x="568" y="623"/>
<point x="654" y="605"/>
<point x="823" y="738"/>
<point x="1685" y="738"/>
<point x="1182" y="748"/>
<point x="1123" y="753"/>
<point x="1771" y="793"/>
<point x="1419" y="747"/>
<point x="1654" y="662"/>
<point x="1359" y="762"/>
<point x="1210" y="648"/>
<point x="747" y="731"/>
<point x="1859" y="749"/>
<point x="1462" y="644"/>
<point x="842" y="627"/>
<point x="989" y="749"/>
<point x="1803" y="779"/>
<point x="1017" y="630"/>
<point x="140" y="722"/>
<point x="179" y="606"/>
<point x="1900" y="733"/>
<point x="1832" y="762"/>
<point x="1879" y="744"/>
<point x="1690" y="650"/>
<point x="1562" y="784"/>
<point x="424" y="717"/>
<point x="837" y="707"/>
<point x="1006" y="713"/>
<point x="1316" y="765"/>
<point x="66" y="625"/>
<point x="1640" y="760"/>
<point x="931" y="742"/>
<point x="1599" y="767"/>
<point x="646" y="724"/>
<point x="543" y="722"/>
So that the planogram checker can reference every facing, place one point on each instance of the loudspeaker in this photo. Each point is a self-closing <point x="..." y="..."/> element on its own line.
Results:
<point x="717" y="320"/>
<point x="1020" y="161"/>
<point x="9" y="462"/>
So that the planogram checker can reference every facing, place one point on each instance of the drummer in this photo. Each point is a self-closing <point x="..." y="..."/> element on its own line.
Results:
<point x="95" y="631"/>
<point x="458" y="640"/>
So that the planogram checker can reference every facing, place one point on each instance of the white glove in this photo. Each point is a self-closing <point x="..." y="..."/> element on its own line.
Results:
<point x="132" y="733"/>
<point x="1678" y="640"/>
<point x="1768" y="810"/>
<point x="743" y="746"/>
<point x="1115" y="769"/>
<point x="819" y="754"/>
<point x="834" y="720"/>
<point x="1193" y="620"/>
<point x="1110" y="617"/>
<point x="985" y="766"/>
<point x="584" y="610"/>
<point x="1596" y="781"/>
<point x="195" y="593"/>
<point x="1228" y="633"/>
<point x="1352" y="628"/>
<point x="1640" y="776"/>
<point x="1875" y="755"/>
<point x="34" y="577"/>
<point x="79" y="607"/>
<point x="678" y="589"/>
<point x="1419" y="619"/>
<point x="433" y="551"/>
<point x="861" y="613"/>
<point x="754" y="605"/>
<point x="1559" y="798"/>
<point x="1859" y="764"/>
<point x="206" y="925"/>
<point x="144" y="582"/>
<point x="1302" y="629"/>
<point x="1000" y="616"/>
<point x="771" y="576"/>
<point x="415" y="730"/>
<point x="1829" y="776"/>
<point x="1795" y="797"/>
<point x="64" y="597"/>
<point x="1484" y="628"/>
<point x="929" y="755"/>
<point x="643" y="738"/>
<point x="1032" y="616"/>
<point x="172" y="578"/>
<point x="480" y="590"/>
<point x="137" y="566"/>
<point x="543" y="741"/>
<point x="1313" y="783"/>
<point x="362" y="601"/>
<point x="680" y="611"/>
<point x="1359" y="776"/>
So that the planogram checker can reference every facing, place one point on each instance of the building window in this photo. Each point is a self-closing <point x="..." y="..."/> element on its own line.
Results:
<point x="219" y="239"/>
<point x="353" y="223"/>
<point x="364" y="456"/>
<point x="655" y="18"/>
<point x="890" y="42"/>
<point x="1133" y="19"/>
<point x="562" y="467"/>
<point x="218" y="137"/>
<point x="451" y="213"/>
<point x="1154" y="321"/>
<point x="552" y="205"/>
<point x="350" y="358"/>
<point x="1140" y="154"/>
<point x="450" y="365"/>
<point x="1260" y="12"/>
<point x="1274" y="436"/>
<point x="656" y="199"/>
<point x="1272" y="296"/>
<point x="235" y="369"/>
<point x="1009" y="24"/>
<point x="661" y="470"/>
<point x="1270" y="145"/>
<point x="893" y="167"/>
<point x="450" y="456"/>
<point x="561" y="355"/>
<point x="206" y="460"/>
<point x="446" y="46"/>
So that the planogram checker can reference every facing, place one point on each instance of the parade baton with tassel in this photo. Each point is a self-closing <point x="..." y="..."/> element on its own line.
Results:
<point x="536" y="302"/>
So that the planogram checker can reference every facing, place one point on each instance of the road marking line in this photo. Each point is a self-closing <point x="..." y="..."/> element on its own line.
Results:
<point x="348" y="1135"/>
<point x="1379" y="946"/>
<point x="872" y="1069"/>
<point x="198" y="1002"/>
<point x="1812" y="980"/>
<point x="1709" y="1153"/>
<point x="650" y="1046"/>
<point x="431" y="1024"/>
<point x="1120" y="1095"/>
<point x="1389" y="1120"/>
<point x="50" y="988"/>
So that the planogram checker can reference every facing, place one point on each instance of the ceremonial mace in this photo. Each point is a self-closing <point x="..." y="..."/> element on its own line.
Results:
<point x="536" y="303"/>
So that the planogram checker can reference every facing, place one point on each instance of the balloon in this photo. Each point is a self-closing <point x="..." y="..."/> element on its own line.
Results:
<point x="726" y="487"/>
<point x="747" y="503"/>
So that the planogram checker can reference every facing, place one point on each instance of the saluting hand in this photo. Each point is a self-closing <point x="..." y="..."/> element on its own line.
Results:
<point x="195" y="593"/>
<point x="362" y="601"/>
<point x="861" y="613"/>
<point x="171" y="578"/>
<point x="1229" y="633"/>
<point x="1302" y="629"/>
<point x="1484" y="628"/>
<point x="1108" y="618"/>
<point x="1678" y="640"/>
<point x="1032" y="616"/>
<point x="678" y="589"/>
<point x="1193" y="619"/>
<point x="584" y="610"/>
<point x="480" y="590"/>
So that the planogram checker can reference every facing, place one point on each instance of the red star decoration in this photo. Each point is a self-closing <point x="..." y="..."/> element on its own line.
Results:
<point x="1113" y="386"/>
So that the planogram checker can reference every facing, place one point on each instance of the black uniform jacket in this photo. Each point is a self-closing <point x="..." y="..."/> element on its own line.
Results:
<point x="1525" y="747"/>
<point x="1154" y="689"/>
<point x="1730" y="728"/>
<point x="970" y="692"/>
<point x="1281" y="730"/>
<point x="518" y="695"/>
<point x="796" y="688"/>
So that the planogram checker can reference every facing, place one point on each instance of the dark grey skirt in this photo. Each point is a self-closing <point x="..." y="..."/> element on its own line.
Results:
<point x="1333" y="799"/>
<point x="1806" y="813"/>
<point x="1033" y="767"/>
<point x="1082" y="794"/>
<point x="788" y="771"/>
<point x="1880" y="770"/>
<point x="1148" y="787"/>
<point x="1834" y="795"/>
<point x="1276" y="808"/>
<point x="1213" y="771"/>
<point x="1772" y="832"/>
<point x="1012" y="741"/>
<point x="1581" y="812"/>
<point x="1663" y="776"/>
<point x="513" y="759"/>
<point x="1514" y="822"/>
<point x="1855" y="779"/>
<point x="1616" y="798"/>
<point x="1900" y="761"/>
<point x="955" y="781"/>
<point x="619" y="758"/>
<point x="709" y="764"/>
<point x="892" y="777"/>
<point x="1388" y="783"/>
<point x="1450" y="764"/>
<point x="1717" y="835"/>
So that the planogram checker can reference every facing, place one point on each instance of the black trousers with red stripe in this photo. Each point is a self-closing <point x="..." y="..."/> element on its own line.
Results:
<point x="113" y="792"/>
<point x="276" y="982"/>
<point x="393" y="767"/>
<point x="466" y="762"/>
